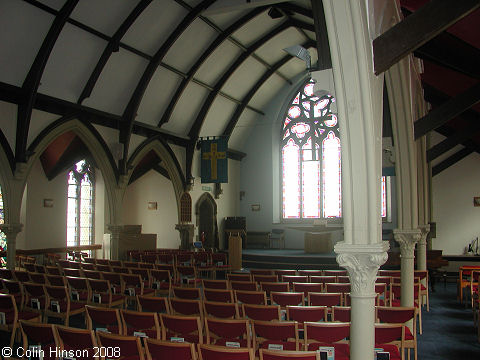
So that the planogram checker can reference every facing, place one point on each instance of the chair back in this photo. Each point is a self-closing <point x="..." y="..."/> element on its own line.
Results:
<point x="103" y="318"/>
<point x="215" y="284"/>
<point x="228" y="332"/>
<point x="128" y="346"/>
<point x="213" y="352"/>
<point x="325" y="299"/>
<point x="341" y="313"/>
<point x="187" y="328"/>
<point x="261" y="312"/>
<point x="186" y="293"/>
<point x="287" y="298"/>
<point x="35" y="333"/>
<point x="239" y="277"/>
<point x="138" y="323"/>
<point x="306" y="313"/>
<point x="161" y="349"/>
<point x="288" y="355"/>
<point x="274" y="286"/>
<point x="250" y="297"/>
<point x="219" y="295"/>
<point x="277" y="335"/>
<point x="153" y="304"/>
<point x="186" y="307"/>
<point x="73" y="339"/>
<point x="221" y="310"/>
<point x="258" y="278"/>
<point x="307" y="287"/>
<point x="325" y="332"/>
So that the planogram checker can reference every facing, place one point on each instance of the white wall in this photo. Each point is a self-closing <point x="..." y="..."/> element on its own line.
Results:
<point x="153" y="187"/>
<point x="453" y="211"/>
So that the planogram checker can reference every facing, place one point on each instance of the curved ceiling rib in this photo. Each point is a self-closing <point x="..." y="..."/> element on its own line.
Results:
<point x="197" y="125"/>
<point x="240" y="108"/>
<point x="131" y="110"/>
<point x="112" y="46"/>
<point x="213" y="46"/>
<point x="32" y="81"/>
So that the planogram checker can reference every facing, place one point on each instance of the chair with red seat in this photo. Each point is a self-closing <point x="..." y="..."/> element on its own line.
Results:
<point x="392" y="273"/>
<point x="337" y="288"/>
<point x="288" y="355"/>
<point x="52" y="270"/>
<point x="281" y="273"/>
<point x="138" y="323"/>
<point x="218" y="295"/>
<point x="161" y="349"/>
<point x="323" y="279"/>
<point x="82" y="341"/>
<point x="213" y="352"/>
<point x="37" y="278"/>
<point x="149" y="258"/>
<point x="72" y="272"/>
<point x="307" y="287"/>
<point x="268" y="287"/>
<point x="88" y="266"/>
<point x="102" y="262"/>
<point x="12" y="315"/>
<point x="79" y="289"/>
<point x="396" y="301"/>
<point x="221" y="310"/>
<point x="104" y="267"/>
<point x="6" y="274"/>
<point x="343" y="279"/>
<point x="391" y="338"/>
<point x="187" y="275"/>
<point x="332" y="334"/>
<point x="129" y="347"/>
<point x="159" y="305"/>
<point x="254" y="272"/>
<point x="184" y="259"/>
<point x="35" y="297"/>
<point x="22" y="276"/>
<point x="115" y="280"/>
<point x="166" y="258"/>
<point x="301" y="314"/>
<point x="147" y="264"/>
<point x="325" y="299"/>
<point x="14" y="288"/>
<point x="56" y="280"/>
<point x="30" y="267"/>
<point x="341" y="313"/>
<point x="275" y="335"/>
<point x="239" y="277"/>
<point x="103" y="319"/>
<point x="144" y="274"/>
<point x="181" y="328"/>
<point x="215" y="284"/>
<point x="335" y="272"/>
<point x="295" y="278"/>
<point x="400" y="315"/>
<point x="244" y="285"/>
<point x="203" y="263"/>
<point x="219" y="263"/>
<point x="186" y="307"/>
<point x="228" y="332"/>
<point x="102" y="294"/>
<point x="129" y="264"/>
<point x="310" y="272"/>
<point x="286" y="298"/>
<point x="41" y="336"/>
<point x="261" y="312"/>
<point x="161" y="281"/>
<point x="250" y="297"/>
<point x="59" y="305"/>
<point x="120" y="269"/>
<point x="186" y="293"/>
<point x="259" y="278"/>
<point x="90" y="260"/>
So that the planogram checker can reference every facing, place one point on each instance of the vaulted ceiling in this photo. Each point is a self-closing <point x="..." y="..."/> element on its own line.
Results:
<point x="167" y="68"/>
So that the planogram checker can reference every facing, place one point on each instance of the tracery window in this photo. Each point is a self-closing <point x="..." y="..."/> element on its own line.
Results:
<point x="3" y="238"/>
<point x="80" y="204"/>
<point x="311" y="157"/>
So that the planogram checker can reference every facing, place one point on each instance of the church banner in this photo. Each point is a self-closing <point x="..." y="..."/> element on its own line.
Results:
<point x="214" y="160"/>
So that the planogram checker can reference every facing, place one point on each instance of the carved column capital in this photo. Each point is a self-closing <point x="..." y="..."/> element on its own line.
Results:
<point x="407" y="240"/>
<point x="11" y="230"/>
<point x="362" y="263"/>
<point x="425" y="229"/>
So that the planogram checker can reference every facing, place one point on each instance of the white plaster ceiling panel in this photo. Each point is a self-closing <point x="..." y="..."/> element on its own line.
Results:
<point x="110" y="136"/>
<point x="435" y="138"/>
<point x="218" y="63"/>
<point x="244" y="78"/>
<point x="187" y="109"/>
<point x="105" y="16"/>
<point x="267" y="91"/>
<point x="305" y="19"/>
<point x="180" y="154"/>
<point x="224" y="20"/>
<point x="447" y="154"/>
<point x="22" y="30"/>
<point x="117" y="82"/>
<point x="71" y="63"/>
<point x="190" y="45"/>
<point x="256" y="28"/>
<point x="54" y="4"/>
<point x="247" y="121"/>
<point x="192" y="3"/>
<point x="154" y="26"/>
<point x="293" y="67"/>
<point x="8" y="122"/>
<point x="163" y="85"/>
<point x="39" y="121"/>
<point x="310" y="34"/>
<point x="135" y="141"/>
<point x="272" y="51"/>
<point x="218" y="117"/>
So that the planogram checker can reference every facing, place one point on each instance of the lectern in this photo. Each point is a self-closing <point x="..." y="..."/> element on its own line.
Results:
<point x="235" y="248"/>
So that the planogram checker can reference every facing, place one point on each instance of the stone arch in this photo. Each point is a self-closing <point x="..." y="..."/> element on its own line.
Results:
<point x="5" y="176"/>
<point x="97" y="148"/>
<point x="163" y="150"/>
<point x="208" y="200"/>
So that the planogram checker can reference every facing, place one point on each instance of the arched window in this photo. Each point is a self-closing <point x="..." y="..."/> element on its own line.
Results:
<point x="80" y="204"/>
<point x="311" y="158"/>
<point x="3" y="238"/>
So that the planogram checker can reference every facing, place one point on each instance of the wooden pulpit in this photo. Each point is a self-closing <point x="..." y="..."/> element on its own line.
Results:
<point x="235" y="250"/>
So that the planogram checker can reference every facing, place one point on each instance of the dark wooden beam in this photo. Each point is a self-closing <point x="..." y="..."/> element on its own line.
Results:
<point x="418" y="28"/>
<point x="112" y="46"/>
<point x="241" y="107"/>
<point x="32" y="80"/>
<point x="445" y="164"/>
<point x="323" y="48"/>
<point x="449" y="110"/>
<point x="131" y="109"/>
<point x="7" y="150"/>
<point x="235" y="154"/>
<point x="453" y="140"/>
<point x="211" y="48"/>
<point x="161" y="170"/>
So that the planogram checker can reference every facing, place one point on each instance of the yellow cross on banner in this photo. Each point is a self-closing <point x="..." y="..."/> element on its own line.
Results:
<point x="213" y="156"/>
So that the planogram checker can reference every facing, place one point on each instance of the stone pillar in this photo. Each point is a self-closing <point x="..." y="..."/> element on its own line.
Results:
<point x="362" y="263"/>
<point x="186" y="235"/>
<point x="11" y="231"/>
<point x="407" y="240"/>
<point x="115" y="231"/>
<point x="422" y="247"/>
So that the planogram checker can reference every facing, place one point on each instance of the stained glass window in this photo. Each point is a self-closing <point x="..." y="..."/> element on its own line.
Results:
<point x="80" y="205"/>
<point x="311" y="157"/>
<point x="3" y="238"/>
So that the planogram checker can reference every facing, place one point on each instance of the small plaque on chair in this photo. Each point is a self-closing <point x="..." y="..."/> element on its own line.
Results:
<point x="380" y="354"/>
<point x="35" y="304"/>
<point x="75" y="296"/>
<point x="140" y="334"/>
<point x="177" y="339"/>
<point x="97" y="298"/>
<point x="275" y="347"/>
<point x="156" y="285"/>
<point x="55" y="306"/>
<point x="232" y="344"/>
<point x="326" y="352"/>
<point x="3" y="321"/>
<point x="113" y="289"/>
<point x="220" y="263"/>
<point x="36" y="352"/>
<point x="130" y="292"/>
<point x="103" y="330"/>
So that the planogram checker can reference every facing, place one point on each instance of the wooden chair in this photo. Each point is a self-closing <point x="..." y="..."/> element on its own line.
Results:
<point x="127" y="346"/>
<point x="181" y="328"/>
<point x="41" y="335"/>
<point x="73" y="339"/>
<point x="288" y="355"/>
<point x="328" y="334"/>
<point x="228" y="332"/>
<point x="391" y="338"/>
<point x="58" y="303"/>
<point x="213" y="352"/>
<point x="275" y="335"/>
<point x="161" y="349"/>
<point x="138" y="323"/>
<point x="221" y="310"/>
<point x="101" y="319"/>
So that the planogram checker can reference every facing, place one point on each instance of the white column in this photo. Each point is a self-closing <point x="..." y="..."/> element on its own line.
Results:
<point x="11" y="231"/>
<point x="422" y="247"/>
<point x="115" y="231"/>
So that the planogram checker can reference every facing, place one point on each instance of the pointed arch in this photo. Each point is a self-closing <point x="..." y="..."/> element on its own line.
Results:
<point x="5" y="176"/>
<point x="170" y="162"/>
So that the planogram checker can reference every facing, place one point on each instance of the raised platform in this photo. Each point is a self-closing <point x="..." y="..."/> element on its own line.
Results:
<point x="287" y="259"/>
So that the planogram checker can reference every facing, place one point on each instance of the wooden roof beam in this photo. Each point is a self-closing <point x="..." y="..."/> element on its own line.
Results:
<point x="323" y="48"/>
<point x="418" y="28"/>
<point x="445" y="164"/>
